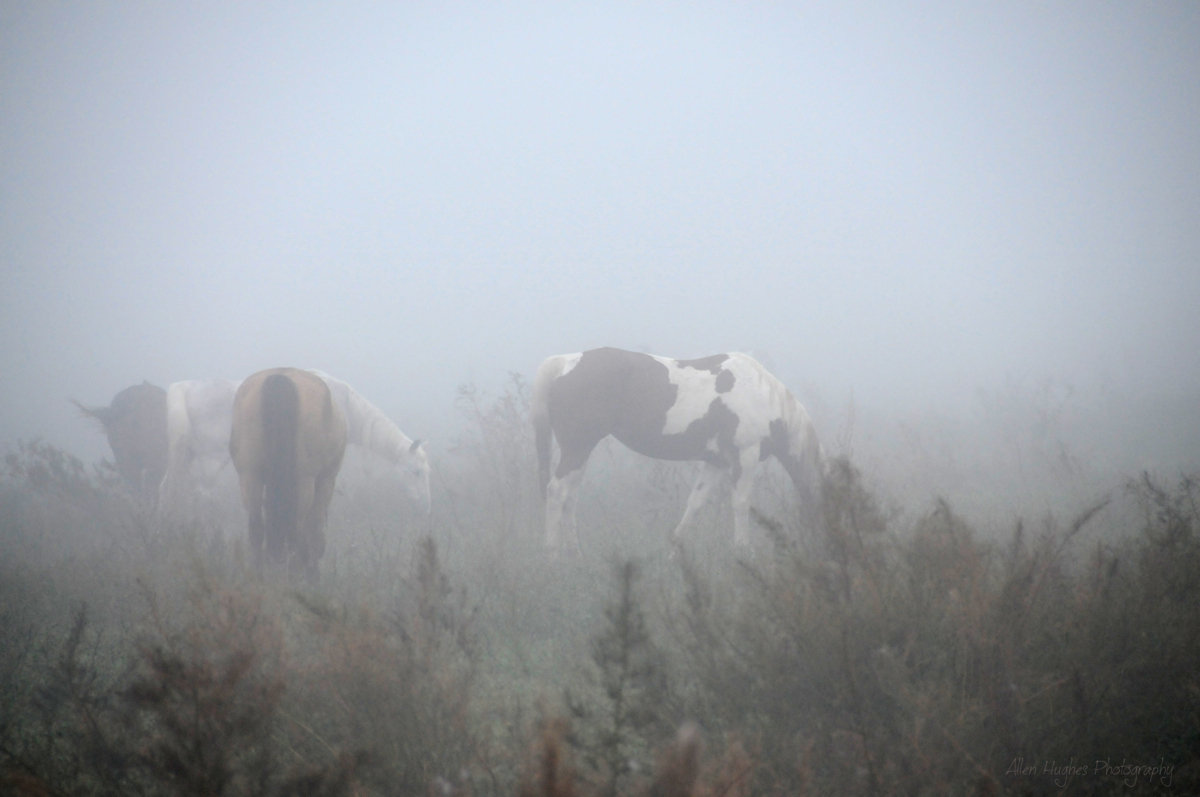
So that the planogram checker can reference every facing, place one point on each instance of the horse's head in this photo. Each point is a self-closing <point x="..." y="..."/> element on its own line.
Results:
<point x="415" y="466"/>
<point x="136" y="427"/>
<point x="794" y="442"/>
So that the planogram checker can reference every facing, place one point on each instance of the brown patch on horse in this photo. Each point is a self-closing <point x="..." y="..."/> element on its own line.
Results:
<point x="135" y="424"/>
<point x="627" y="395"/>
<point x="287" y="444"/>
<point x="712" y="363"/>
<point x="718" y="425"/>
<point x="776" y="444"/>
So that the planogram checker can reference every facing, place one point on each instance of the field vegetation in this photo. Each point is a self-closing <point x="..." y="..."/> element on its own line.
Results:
<point x="895" y="649"/>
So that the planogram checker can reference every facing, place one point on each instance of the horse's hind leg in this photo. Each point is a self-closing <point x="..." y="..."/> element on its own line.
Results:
<point x="563" y="490"/>
<point x="742" y="489"/>
<point x="252" y="500"/>
<point x="315" y="521"/>
<point x="303" y="554"/>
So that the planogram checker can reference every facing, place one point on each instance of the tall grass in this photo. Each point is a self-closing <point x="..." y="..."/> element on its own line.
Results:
<point x="868" y="656"/>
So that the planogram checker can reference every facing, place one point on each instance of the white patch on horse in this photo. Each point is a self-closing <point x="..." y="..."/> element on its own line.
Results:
<point x="569" y="361"/>
<point x="199" y="420"/>
<point x="696" y="389"/>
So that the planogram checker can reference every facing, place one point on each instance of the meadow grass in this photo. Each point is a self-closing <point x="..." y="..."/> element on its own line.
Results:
<point x="882" y="652"/>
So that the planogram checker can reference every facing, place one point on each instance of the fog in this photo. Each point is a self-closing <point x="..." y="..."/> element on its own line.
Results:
<point x="898" y="210"/>
<point x="965" y="235"/>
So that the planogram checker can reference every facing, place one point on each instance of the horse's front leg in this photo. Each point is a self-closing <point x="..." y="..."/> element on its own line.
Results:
<point x="712" y="478"/>
<point x="743" y="487"/>
<point x="318" y="517"/>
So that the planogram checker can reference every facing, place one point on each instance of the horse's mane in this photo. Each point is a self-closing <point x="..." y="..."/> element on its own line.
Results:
<point x="367" y="425"/>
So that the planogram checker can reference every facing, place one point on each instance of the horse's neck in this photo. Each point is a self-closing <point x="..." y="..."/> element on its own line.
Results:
<point x="806" y="453"/>
<point x="368" y="427"/>
<point x="381" y="436"/>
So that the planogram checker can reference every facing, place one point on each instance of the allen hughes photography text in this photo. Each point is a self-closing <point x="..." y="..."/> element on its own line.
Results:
<point x="1065" y="773"/>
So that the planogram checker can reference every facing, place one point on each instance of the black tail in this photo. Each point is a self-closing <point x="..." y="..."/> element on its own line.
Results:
<point x="280" y="418"/>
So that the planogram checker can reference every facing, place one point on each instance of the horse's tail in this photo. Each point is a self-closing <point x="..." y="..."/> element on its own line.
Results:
<point x="280" y="419"/>
<point x="539" y="411"/>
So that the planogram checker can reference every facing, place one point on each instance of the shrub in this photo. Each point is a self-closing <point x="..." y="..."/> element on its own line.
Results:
<point x="867" y="658"/>
<point x="937" y="660"/>
<point x="626" y="713"/>
<point x="395" y="688"/>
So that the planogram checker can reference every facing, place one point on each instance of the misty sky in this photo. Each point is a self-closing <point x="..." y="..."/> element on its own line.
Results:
<point x="890" y="201"/>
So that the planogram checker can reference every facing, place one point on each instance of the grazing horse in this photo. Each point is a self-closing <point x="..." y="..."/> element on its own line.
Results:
<point x="287" y="443"/>
<point x="368" y="427"/>
<point x="136" y="426"/>
<point x="726" y="411"/>
<point x="200" y="416"/>
<point x="199" y="422"/>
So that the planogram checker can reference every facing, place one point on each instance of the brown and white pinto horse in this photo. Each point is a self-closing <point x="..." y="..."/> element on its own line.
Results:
<point x="287" y="443"/>
<point x="136" y="427"/>
<point x="725" y="411"/>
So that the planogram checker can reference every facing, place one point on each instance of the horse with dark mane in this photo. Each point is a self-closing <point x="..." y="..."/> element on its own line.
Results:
<point x="287" y="443"/>
<point x="726" y="411"/>
<point x="135" y="424"/>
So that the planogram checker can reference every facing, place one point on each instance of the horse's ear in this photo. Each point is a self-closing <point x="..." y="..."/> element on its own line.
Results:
<point x="415" y="445"/>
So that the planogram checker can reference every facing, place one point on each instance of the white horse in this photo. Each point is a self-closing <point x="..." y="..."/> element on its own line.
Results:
<point x="369" y="428"/>
<point x="726" y="411"/>
<point x="199" y="420"/>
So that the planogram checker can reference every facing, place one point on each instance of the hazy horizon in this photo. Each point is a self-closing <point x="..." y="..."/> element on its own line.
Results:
<point x="898" y="207"/>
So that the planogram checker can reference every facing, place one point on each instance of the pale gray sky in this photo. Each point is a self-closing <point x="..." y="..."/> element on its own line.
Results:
<point x="895" y="201"/>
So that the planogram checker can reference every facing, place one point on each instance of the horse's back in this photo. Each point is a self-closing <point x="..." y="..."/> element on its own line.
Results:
<point x="320" y="427"/>
<point x="615" y="388"/>
<point x="248" y="432"/>
<point x="651" y="402"/>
